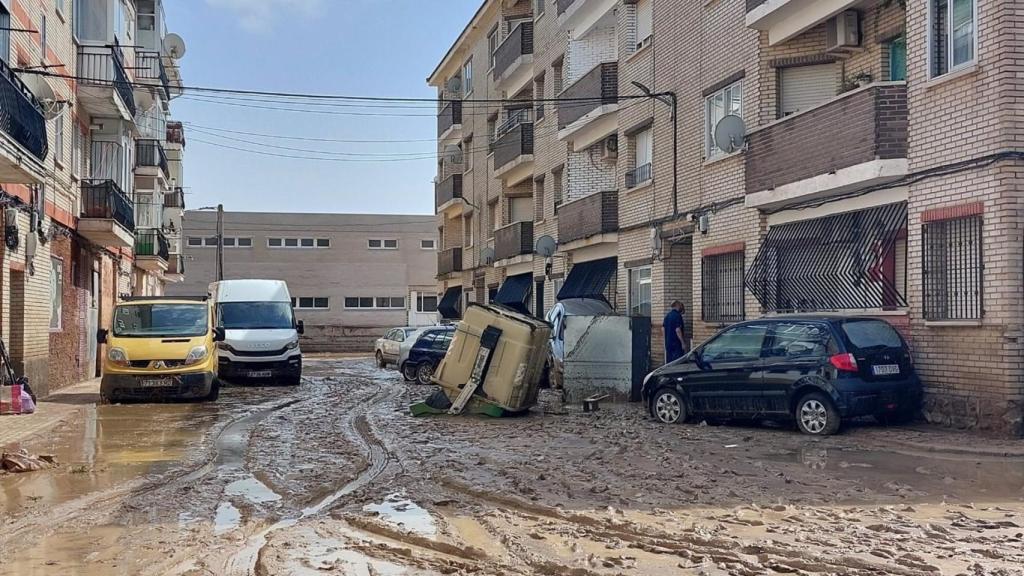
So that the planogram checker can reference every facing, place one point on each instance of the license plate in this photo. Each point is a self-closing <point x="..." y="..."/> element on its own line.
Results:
<point x="157" y="383"/>
<point x="885" y="369"/>
<point x="261" y="373"/>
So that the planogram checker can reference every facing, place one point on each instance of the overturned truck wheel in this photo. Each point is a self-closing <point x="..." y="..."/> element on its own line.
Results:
<point x="438" y="401"/>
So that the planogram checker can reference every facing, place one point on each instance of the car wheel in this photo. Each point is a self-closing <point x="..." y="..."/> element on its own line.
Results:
<point x="668" y="406"/>
<point x="409" y="372"/>
<point x="380" y="360"/>
<point x="214" y="390"/>
<point x="425" y="373"/>
<point x="816" y="415"/>
<point x="293" y="380"/>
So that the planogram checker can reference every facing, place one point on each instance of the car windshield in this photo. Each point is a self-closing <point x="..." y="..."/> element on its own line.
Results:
<point x="256" y="315"/>
<point x="161" y="320"/>
<point x="867" y="334"/>
<point x="410" y="331"/>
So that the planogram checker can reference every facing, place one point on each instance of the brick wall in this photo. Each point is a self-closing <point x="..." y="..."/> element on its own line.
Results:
<point x="68" y="346"/>
<point x="588" y="172"/>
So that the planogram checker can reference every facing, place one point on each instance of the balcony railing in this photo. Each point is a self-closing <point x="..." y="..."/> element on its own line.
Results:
<point x="589" y="216"/>
<point x="564" y="5"/>
<point x="751" y="4"/>
<point x="151" y="153"/>
<point x="175" y="133"/>
<point x="518" y="44"/>
<point x="451" y="115"/>
<point x="150" y="66"/>
<point x="449" y="261"/>
<point x="513" y="144"/>
<point x="861" y="126"/>
<point x="104" y="66"/>
<point x="639" y="175"/>
<point x="601" y="84"/>
<point x="175" y="199"/>
<point x="447" y="190"/>
<point x="513" y="240"/>
<point x="20" y="115"/>
<point x="176" y="264"/>
<point x="104" y="200"/>
<point x="152" y="242"/>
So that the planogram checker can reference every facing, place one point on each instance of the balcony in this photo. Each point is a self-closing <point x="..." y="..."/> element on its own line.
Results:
<point x="152" y="250"/>
<point x="449" y="261"/>
<point x="448" y="193"/>
<point x="175" y="199"/>
<point x="513" y="60"/>
<point x="587" y="217"/>
<point x="150" y="66"/>
<point x="151" y="154"/>
<point x="582" y="16"/>
<point x="784" y="19"/>
<point x="639" y="176"/>
<point x="176" y="133"/>
<point x="22" y="125"/>
<point x="108" y="216"/>
<point x="513" y="151"/>
<point x="105" y="89"/>
<point x="513" y="240"/>
<point x="586" y="122"/>
<point x="175" y="269"/>
<point x="856" y="140"/>
<point x="449" y="122"/>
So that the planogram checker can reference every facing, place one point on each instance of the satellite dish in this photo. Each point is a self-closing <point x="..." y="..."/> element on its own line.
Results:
<point x="40" y="88"/>
<point x="730" y="134"/>
<point x="546" y="246"/>
<point x="487" y="256"/>
<point x="144" y="98"/>
<point x="453" y="153"/>
<point x="454" y="85"/>
<point x="174" y="46"/>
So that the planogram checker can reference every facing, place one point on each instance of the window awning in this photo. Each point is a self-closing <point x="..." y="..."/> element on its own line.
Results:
<point x="588" y="279"/>
<point x="840" y="262"/>
<point x="515" y="292"/>
<point x="449" y="305"/>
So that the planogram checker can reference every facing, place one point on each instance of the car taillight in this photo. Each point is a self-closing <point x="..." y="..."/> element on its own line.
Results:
<point x="844" y="362"/>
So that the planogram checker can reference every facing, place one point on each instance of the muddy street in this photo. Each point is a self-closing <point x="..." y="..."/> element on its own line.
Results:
<point x="335" y="477"/>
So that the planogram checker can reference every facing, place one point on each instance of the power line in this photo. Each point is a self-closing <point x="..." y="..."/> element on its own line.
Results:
<point x="276" y="155"/>
<point x="326" y="152"/>
<point x="307" y="138"/>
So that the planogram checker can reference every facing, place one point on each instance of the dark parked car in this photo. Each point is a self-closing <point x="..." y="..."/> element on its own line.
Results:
<point x="427" y="353"/>
<point x="816" y="370"/>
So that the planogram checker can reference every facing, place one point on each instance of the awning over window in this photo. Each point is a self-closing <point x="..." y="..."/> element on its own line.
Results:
<point x="840" y="262"/>
<point x="449" y="305"/>
<point x="515" y="292"/>
<point x="588" y="279"/>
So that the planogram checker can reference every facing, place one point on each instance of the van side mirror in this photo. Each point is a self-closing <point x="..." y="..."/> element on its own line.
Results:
<point x="219" y="334"/>
<point x="101" y="336"/>
<point x="300" y="327"/>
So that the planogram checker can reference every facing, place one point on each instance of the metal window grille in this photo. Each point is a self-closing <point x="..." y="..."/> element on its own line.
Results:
<point x="952" y="269"/>
<point x="638" y="176"/>
<point x="722" y="288"/>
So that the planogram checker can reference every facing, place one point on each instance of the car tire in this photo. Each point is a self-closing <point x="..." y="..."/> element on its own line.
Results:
<point x="214" y="391"/>
<point x="425" y="373"/>
<point x="816" y="415"/>
<point x="293" y="380"/>
<point x="668" y="406"/>
<point x="380" y="360"/>
<point x="409" y="372"/>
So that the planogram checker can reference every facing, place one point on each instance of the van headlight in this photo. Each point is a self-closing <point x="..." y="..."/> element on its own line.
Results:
<point x="196" y="355"/>
<point x="118" y="357"/>
<point x="292" y="345"/>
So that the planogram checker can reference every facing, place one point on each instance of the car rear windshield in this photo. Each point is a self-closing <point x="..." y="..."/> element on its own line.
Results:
<point x="256" y="315"/>
<point x="161" y="320"/>
<point x="865" y="334"/>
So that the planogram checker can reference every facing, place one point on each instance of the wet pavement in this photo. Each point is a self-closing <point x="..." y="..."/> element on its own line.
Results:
<point x="335" y="477"/>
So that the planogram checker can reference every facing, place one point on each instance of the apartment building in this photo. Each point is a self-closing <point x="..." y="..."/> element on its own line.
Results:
<point x="867" y="162"/>
<point x="87" y="86"/>
<point x="352" y="276"/>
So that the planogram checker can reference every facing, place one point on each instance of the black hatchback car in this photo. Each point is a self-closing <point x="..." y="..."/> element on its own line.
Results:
<point x="817" y="370"/>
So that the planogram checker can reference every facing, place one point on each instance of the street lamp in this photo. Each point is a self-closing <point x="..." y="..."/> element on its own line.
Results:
<point x="672" y="101"/>
<point x="220" y="239"/>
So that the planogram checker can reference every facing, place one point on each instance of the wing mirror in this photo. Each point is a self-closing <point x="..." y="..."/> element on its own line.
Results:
<point x="300" y="327"/>
<point x="219" y="334"/>
<point x="101" y="335"/>
<point x="698" y="359"/>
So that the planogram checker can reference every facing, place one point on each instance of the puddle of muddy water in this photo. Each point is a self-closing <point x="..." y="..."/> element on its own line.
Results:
<point x="398" y="510"/>
<point x="227" y="518"/>
<point x="252" y="490"/>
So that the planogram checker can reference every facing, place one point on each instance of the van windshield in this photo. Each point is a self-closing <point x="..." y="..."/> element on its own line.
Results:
<point x="161" y="320"/>
<point x="256" y="315"/>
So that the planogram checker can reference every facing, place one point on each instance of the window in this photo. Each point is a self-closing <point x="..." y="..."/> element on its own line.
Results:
<point x="643" y="159"/>
<point x="323" y="242"/>
<point x="467" y="223"/>
<point x="426" y="303"/>
<point x="538" y="7"/>
<point x="898" y="59"/>
<point x="58" y="139"/>
<point x="644" y="27"/>
<point x="538" y="94"/>
<point x="60" y="6"/>
<point x="558" y="76"/>
<point x="390" y="302"/>
<point x="211" y="241"/>
<point x="640" y="291"/>
<point x="557" y="182"/>
<point x="952" y="269"/>
<point x="5" y="34"/>
<point x="56" y="293"/>
<point x="953" y="35"/>
<point x="725" y="102"/>
<point x="428" y="244"/>
<point x="538" y="194"/>
<point x="229" y="242"/>
<point x="722" y="288"/>
<point x="307" y="242"/>
<point x="194" y="241"/>
<point x="291" y="242"/>
<point x="77" y="145"/>
<point x="311" y="303"/>
<point x="375" y="244"/>
<point x="739" y="344"/>
<point x="492" y="215"/>
<point x="467" y="77"/>
<point x="382" y="244"/>
<point x="804" y="87"/>
<point x="274" y="242"/>
<point x="375" y="303"/>
<point x="245" y="242"/>
<point x="492" y="44"/>
<point x="799" y="340"/>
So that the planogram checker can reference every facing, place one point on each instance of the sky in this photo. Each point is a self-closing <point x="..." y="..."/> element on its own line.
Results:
<point x="351" y="47"/>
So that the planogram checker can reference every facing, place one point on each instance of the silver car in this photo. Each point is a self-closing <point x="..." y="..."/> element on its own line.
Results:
<point x="387" y="348"/>
<point x="555" y="367"/>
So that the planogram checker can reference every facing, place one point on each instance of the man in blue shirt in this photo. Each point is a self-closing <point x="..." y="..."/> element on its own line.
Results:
<point x="674" y="325"/>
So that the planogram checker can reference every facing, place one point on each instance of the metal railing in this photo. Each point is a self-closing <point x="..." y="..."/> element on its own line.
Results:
<point x="151" y="153"/>
<point x="953" y="268"/>
<point x="639" y="175"/>
<point x="519" y="43"/>
<point x="104" y="66"/>
<point x="175" y="133"/>
<point x="451" y="115"/>
<point x="449" y="261"/>
<point x="152" y="242"/>
<point x="104" y="200"/>
<point x="515" y="118"/>
<point x="513" y="144"/>
<point x="150" y="66"/>
<point x="175" y="199"/>
<point x="447" y="190"/>
<point x="722" y="288"/>
<point x="20" y="115"/>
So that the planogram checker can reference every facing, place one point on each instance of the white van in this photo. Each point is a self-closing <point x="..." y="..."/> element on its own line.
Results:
<point x="262" y="336"/>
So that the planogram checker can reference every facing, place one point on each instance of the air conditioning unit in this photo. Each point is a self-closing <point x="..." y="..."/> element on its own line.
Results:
<point x="843" y="31"/>
<point x="610" y="148"/>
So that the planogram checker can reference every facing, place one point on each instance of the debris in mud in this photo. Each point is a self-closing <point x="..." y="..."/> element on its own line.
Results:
<point x="22" y="461"/>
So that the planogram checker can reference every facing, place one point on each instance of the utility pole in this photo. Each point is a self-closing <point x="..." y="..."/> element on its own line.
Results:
<point x="220" y="242"/>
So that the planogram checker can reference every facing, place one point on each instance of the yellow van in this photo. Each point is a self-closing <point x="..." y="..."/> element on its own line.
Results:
<point x="161" y="348"/>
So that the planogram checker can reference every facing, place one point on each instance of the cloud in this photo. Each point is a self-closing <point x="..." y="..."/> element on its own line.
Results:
<point x="262" y="15"/>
